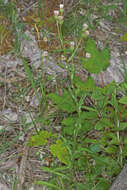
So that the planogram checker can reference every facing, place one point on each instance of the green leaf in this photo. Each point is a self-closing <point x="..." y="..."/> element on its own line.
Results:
<point x="82" y="163"/>
<point x="95" y="148"/>
<point x="109" y="139"/>
<point x="124" y="151"/>
<point x="125" y="141"/>
<point x="60" y="151"/>
<point x="111" y="149"/>
<point x="114" y="101"/>
<point x="88" y="115"/>
<point x="69" y="130"/>
<point x="89" y="140"/>
<point x="124" y="85"/>
<point x="69" y="121"/>
<point x="43" y="183"/>
<point x="109" y="88"/>
<point x="123" y="126"/>
<point x="89" y="84"/>
<point x="82" y="186"/>
<point x="123" y="100"/>
<point x="69" y="125"/>
<point x="114" y="140"/>
<point x="65" y="102"/>
<point x="98" y="61"/>
<point x="97" y="94"/>
<point x="39" y="139"/>
<point x="53" y="171"/>
<point x="123" y="38"/>
<point x="102" y="124"/>
<point x="102" y="184"/>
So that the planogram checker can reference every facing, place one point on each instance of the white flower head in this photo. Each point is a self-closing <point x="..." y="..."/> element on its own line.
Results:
<point x="45" y="53"/>
<point x="56" y="13"/>
<point x="61" y="6"/>
<point x="125" y="52"/>
<point x="61" y="9"/>
<point x="72" y="44"/>
<point x="88" y="55"/>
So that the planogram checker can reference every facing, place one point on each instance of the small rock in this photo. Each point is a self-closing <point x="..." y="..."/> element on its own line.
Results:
<point x="3" y="187"/>
<point x="31" y="188"/>
<point x="28" y="117"/>
<point x="9" y="115"/>
<point x="121" y="181"/>
<point x="34" y="102"/>
<point x="21" y="138"/>
<point x="27" y="98"/>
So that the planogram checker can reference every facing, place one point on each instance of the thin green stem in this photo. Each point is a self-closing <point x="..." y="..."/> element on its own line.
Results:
<point x="75" y="50"/>
<point x="60" y="34"/>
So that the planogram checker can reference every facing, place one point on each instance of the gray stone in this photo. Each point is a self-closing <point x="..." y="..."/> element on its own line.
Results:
<point x="31" y="50"/>
<point x="9" y="115"/>
<point x="121" y="181"/>
<point x="3" y="187"/>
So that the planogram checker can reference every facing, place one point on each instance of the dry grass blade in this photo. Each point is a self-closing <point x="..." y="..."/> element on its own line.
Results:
<point x="3" y="187"/>
<point x="21" y="173"/>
